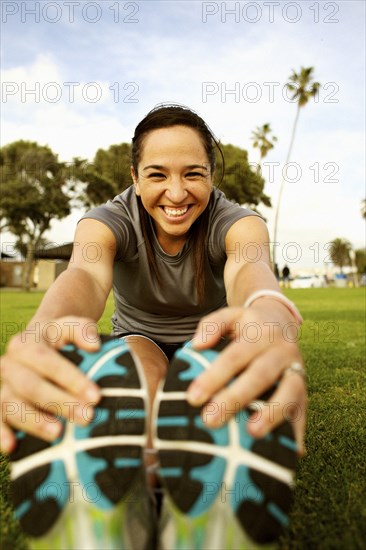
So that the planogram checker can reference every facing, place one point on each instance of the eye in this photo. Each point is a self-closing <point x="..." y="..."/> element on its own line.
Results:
<point x="194" y="175"/>
<point x="156" y="175"/>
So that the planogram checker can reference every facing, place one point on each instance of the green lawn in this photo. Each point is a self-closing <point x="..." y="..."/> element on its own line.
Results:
<point x="330" y="499"/>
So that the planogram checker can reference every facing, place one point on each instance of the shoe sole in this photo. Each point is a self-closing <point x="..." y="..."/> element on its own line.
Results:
<point x="103" y="460"/>
<point x="199" y="465"/>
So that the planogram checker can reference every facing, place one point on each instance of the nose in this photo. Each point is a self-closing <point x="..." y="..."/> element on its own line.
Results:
<point x="176" y="191"/>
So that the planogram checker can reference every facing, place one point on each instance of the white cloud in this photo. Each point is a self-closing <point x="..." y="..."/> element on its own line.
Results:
<point x="169" y="54"/>
<point x="66" y="125"/>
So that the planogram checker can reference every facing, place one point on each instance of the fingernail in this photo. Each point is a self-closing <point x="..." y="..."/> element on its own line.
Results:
<point x="93" y="347"/>
<point x="194" y="340"/>
<point x="259" y="429"/>
<point x="196" y="396"/>
<point x="53" y="429"/>
<point x="81" y="416"/>
<point x="92" y="338"/>
<point x="213" y="420"/>
<point x="92" y="393"/>
<point x="7" y="443"/>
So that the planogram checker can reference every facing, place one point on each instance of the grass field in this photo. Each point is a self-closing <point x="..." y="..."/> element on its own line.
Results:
<point x="330" y="499"/>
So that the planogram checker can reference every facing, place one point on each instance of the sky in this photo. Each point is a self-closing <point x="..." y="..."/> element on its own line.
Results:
<point x="78" y="76"/>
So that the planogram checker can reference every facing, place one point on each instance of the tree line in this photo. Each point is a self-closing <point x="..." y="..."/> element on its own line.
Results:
<point x="37" y="187"/>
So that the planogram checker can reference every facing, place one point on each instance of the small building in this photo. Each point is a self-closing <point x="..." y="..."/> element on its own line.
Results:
<point x="11" y="273"/>
<point x="50" y="263"/>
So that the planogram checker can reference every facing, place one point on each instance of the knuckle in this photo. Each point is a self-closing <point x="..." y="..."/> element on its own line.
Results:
<point x="210" y="380"/>
<point x="15" y="342"/>
<point x="40" y="351"/>
<point x="229" y="358"/>
<point x="266" y="371"/>
<point x="77" y="381"/>
<point x="267" y="376"/>
<point x="235" y="397"/>
<point x="33" y="387"/>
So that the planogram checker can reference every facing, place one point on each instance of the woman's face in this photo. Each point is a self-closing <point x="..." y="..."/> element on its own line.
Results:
<point x="174" y="182"/>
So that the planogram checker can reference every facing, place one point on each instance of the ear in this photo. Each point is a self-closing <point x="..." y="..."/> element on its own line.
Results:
<point x="135" y="181"/>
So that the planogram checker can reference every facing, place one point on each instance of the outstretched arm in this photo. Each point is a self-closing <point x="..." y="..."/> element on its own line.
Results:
<point x="33" y="373"/>
<point x="264" y="339"/>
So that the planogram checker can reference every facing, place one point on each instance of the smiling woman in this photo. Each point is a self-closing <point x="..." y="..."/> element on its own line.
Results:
<point x="181" y="218"/>
<point x="195" y="143"/>
<point x="172" y="190"/>
<point x="200" y="332"/>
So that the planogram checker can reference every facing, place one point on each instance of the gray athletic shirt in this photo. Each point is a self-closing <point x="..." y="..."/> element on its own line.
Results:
<point x="168" y="313"/>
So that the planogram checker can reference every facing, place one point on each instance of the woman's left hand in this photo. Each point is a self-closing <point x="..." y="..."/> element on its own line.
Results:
<point x="261" y="353"/>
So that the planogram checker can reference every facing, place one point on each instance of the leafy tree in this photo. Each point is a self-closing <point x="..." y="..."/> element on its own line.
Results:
<point x="340" y="252"/>
<point x="363" y="209"/>
<point x="108" y="175"/>
<point x="360" y="260"/>
<point x="241" y="183"/>
<point x="114" y="164"/>
<point x="34" y="192"/>
<point x="261" y="138"/>
<point x="302" y="88"/>
<point x="89" y="187"/>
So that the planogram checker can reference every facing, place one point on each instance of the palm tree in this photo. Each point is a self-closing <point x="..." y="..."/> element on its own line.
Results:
<point x="303" y="89"/>
<point x="340" y="252"/>
<point x="262" y="139"/>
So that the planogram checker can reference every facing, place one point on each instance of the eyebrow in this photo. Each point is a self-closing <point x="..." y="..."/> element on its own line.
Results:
<point x="189" y="167"/>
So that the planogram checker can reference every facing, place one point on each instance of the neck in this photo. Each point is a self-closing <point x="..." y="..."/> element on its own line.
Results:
<point x="171" y="245"/>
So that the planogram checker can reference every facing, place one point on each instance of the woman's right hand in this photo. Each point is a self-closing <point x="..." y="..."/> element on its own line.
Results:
<point x="39" y="384"/>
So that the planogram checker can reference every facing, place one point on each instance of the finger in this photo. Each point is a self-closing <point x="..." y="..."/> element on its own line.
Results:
<point x="233" y="359"/>
<point x="23" y="416"/>
<point x="288" y="402"/>
<point x="212" y="327"/>
<point x="7" y="439"/>
<point x="82" y="331"/>
<point x="48" y="363"/>
<point x="29" y="387"/>
<point x="254" y="381"/>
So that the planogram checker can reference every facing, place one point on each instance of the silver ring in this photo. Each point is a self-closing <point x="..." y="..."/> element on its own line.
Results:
<point x="295" y="368"/>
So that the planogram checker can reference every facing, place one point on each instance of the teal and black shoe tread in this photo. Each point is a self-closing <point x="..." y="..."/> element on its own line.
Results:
<point x="107" y="453"/>
<point x="194" y="465"/>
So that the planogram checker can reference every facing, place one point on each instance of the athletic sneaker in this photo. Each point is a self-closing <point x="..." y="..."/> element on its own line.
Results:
<point x="74" y="493"/>
<point x="226" y="489"/>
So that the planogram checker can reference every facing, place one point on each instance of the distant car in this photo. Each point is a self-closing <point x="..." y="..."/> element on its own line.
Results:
<point x="307" y="281"/>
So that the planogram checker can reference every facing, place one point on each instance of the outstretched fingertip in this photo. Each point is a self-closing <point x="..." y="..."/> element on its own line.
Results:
<point x="196" y="341"/>
<point x="8" y="440"/>
<point x="89" y="338"/>
<point x="258" y="428"/>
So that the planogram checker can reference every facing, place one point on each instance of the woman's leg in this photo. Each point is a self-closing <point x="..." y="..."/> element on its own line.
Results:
<point x="152" y="359"/>
<point x="155" y="366"/>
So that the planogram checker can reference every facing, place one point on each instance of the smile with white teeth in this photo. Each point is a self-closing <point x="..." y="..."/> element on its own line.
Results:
<point x="175" y="211"/>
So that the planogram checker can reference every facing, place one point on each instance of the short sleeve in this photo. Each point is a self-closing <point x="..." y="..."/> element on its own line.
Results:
<point x="112" y="216"/>
<point x="223" y="215"/>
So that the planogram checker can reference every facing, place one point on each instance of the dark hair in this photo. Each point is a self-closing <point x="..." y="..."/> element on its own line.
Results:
<point x="166" y="116"/>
